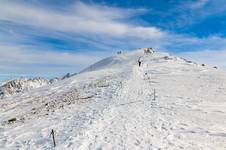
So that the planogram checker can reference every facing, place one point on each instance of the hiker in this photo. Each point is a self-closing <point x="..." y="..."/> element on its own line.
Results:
<point x="139" y="61"/>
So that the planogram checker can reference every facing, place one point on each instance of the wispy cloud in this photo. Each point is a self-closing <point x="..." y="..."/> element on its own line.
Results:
<point x="185" y="14"/>
<point x="21" y="59"/>
<point x="78" y="19"/>
<point x="198" y="4"/>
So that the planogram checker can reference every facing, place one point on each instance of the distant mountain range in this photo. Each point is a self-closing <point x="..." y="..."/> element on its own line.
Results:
<point x="24" y="84"/>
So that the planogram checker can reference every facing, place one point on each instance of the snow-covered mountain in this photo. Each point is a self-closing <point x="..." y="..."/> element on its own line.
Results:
<point x="24" y="84"/>
<point x="166" y="103"/>
<point x="21" y="85"/>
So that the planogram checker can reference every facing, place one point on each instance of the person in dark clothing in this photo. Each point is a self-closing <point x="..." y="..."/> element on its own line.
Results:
<point x="139" y="63"/>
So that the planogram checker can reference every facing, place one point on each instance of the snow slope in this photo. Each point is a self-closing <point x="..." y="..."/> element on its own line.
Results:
<point x="167" y="103"/>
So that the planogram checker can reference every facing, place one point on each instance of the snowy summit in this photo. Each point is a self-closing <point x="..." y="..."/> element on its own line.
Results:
<point x="165" y="103"/>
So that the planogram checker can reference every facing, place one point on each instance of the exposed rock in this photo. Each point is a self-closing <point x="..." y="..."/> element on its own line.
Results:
<point x="68" y="75"/>
<point x="54" y="80"/>
<point x="11" y="120"/>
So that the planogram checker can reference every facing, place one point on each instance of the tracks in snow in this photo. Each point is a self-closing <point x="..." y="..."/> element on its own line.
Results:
<point x="125" y="116"/>
<point x="134" y="121"/>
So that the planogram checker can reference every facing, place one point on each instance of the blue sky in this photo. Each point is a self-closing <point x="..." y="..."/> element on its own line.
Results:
<point x="52" y="37"/>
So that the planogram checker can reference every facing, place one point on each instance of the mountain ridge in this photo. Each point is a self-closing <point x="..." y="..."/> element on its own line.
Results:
<point x="166" y="103"/>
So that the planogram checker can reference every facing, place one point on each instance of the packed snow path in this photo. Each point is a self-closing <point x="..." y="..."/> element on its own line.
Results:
<point x="140" y="120"/>
<point x="126" y="124"/>
<point x="114" y="107"/>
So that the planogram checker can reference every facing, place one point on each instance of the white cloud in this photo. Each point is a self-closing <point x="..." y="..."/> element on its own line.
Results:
<point x="22" y="60"/>
<point x="79" y="19"/>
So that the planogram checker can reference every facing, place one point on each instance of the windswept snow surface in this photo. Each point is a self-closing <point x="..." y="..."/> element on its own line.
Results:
<point x="167" y="103"/>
